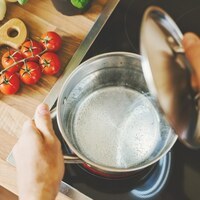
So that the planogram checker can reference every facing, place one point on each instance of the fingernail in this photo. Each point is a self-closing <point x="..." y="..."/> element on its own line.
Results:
<point x="189" y="40"/>
<point x="43" y="109"/>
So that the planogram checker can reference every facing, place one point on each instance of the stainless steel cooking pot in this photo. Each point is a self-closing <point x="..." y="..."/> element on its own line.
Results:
<point x="108" y="118"/>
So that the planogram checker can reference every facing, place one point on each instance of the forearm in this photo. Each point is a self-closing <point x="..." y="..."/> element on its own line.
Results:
<point x="41" y="196"/>
<point x="38" y="193"/>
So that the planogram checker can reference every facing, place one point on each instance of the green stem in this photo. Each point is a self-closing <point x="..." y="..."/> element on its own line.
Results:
<point x="23" y="60"/>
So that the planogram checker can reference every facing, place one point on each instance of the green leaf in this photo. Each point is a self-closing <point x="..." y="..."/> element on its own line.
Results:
<point x="22" y="2"/>
<point x="80" y="3"/>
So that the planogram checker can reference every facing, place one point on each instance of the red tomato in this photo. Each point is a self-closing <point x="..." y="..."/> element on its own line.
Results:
<point x="30" y="73"/>
<point x="9" y="83"/>
<point x="11" y="57"/>
<point x="51" y="41"/>
<point x="50" y="63"/>
<point x="31" y="50"/>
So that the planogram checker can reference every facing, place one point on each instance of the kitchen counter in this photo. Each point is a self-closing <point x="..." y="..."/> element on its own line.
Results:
<point x="39" y="17"/>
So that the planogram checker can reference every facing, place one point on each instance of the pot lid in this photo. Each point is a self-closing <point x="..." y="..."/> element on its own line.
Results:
<point x="167" y="73"/>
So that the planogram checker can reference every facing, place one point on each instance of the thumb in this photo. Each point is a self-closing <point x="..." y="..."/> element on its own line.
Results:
<point x="43" y="120"/>
<point x="191" y="44"/>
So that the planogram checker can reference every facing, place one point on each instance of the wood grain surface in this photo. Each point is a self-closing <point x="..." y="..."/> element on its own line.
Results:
<point x="6" y="30"/>
<point x="39" y="17"/>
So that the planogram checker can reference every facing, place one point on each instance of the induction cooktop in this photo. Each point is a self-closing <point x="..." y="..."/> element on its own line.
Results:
<point x="177" y="175"/>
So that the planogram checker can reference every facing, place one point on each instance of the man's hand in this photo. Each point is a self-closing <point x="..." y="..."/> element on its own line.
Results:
<point x="39" y="160"/>
<point x="191" y="44"/>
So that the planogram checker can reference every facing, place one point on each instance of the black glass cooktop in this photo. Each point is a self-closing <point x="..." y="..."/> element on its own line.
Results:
<point x="177" y="175"/>
<point x="122" y="30"/>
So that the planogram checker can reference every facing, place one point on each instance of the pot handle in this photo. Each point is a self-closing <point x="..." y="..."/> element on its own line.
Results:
<point x="72" y="159"/>
<point x="53" y="113"/>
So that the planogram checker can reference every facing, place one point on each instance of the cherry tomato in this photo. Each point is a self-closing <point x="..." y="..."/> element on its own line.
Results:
<point x="31" y="49"/>
<point x="9" y="83"/>
<point x="11" y="57"/>
<point x="50" y="63"/>
<point x="30" y="73"/>
<point x="51" y="41"/>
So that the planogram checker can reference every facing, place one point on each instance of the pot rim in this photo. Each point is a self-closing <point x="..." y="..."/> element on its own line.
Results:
<point x="81" y="156"/>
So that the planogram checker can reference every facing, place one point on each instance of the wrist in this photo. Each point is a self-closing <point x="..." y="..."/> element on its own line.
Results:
<point x="38" y="195"/>
<point x="42" y="196"/>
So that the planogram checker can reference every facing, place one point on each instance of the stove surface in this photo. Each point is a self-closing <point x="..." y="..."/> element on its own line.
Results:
<point x="177" y="175"/>
<point x="122" y="30"/>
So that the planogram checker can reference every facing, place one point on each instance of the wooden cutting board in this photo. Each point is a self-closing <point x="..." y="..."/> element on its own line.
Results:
<point x="13" y="26"/>
<point x="39" y="17"/>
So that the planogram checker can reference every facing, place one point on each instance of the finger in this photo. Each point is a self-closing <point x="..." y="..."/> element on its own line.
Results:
<point x="43" y="120"/>
<point x="191" y="44"/>
<point x="29" y="133"/>
<point x="29" y="127"/>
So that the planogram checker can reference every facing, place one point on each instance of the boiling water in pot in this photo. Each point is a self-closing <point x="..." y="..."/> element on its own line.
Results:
<point x="116" y="127"/>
